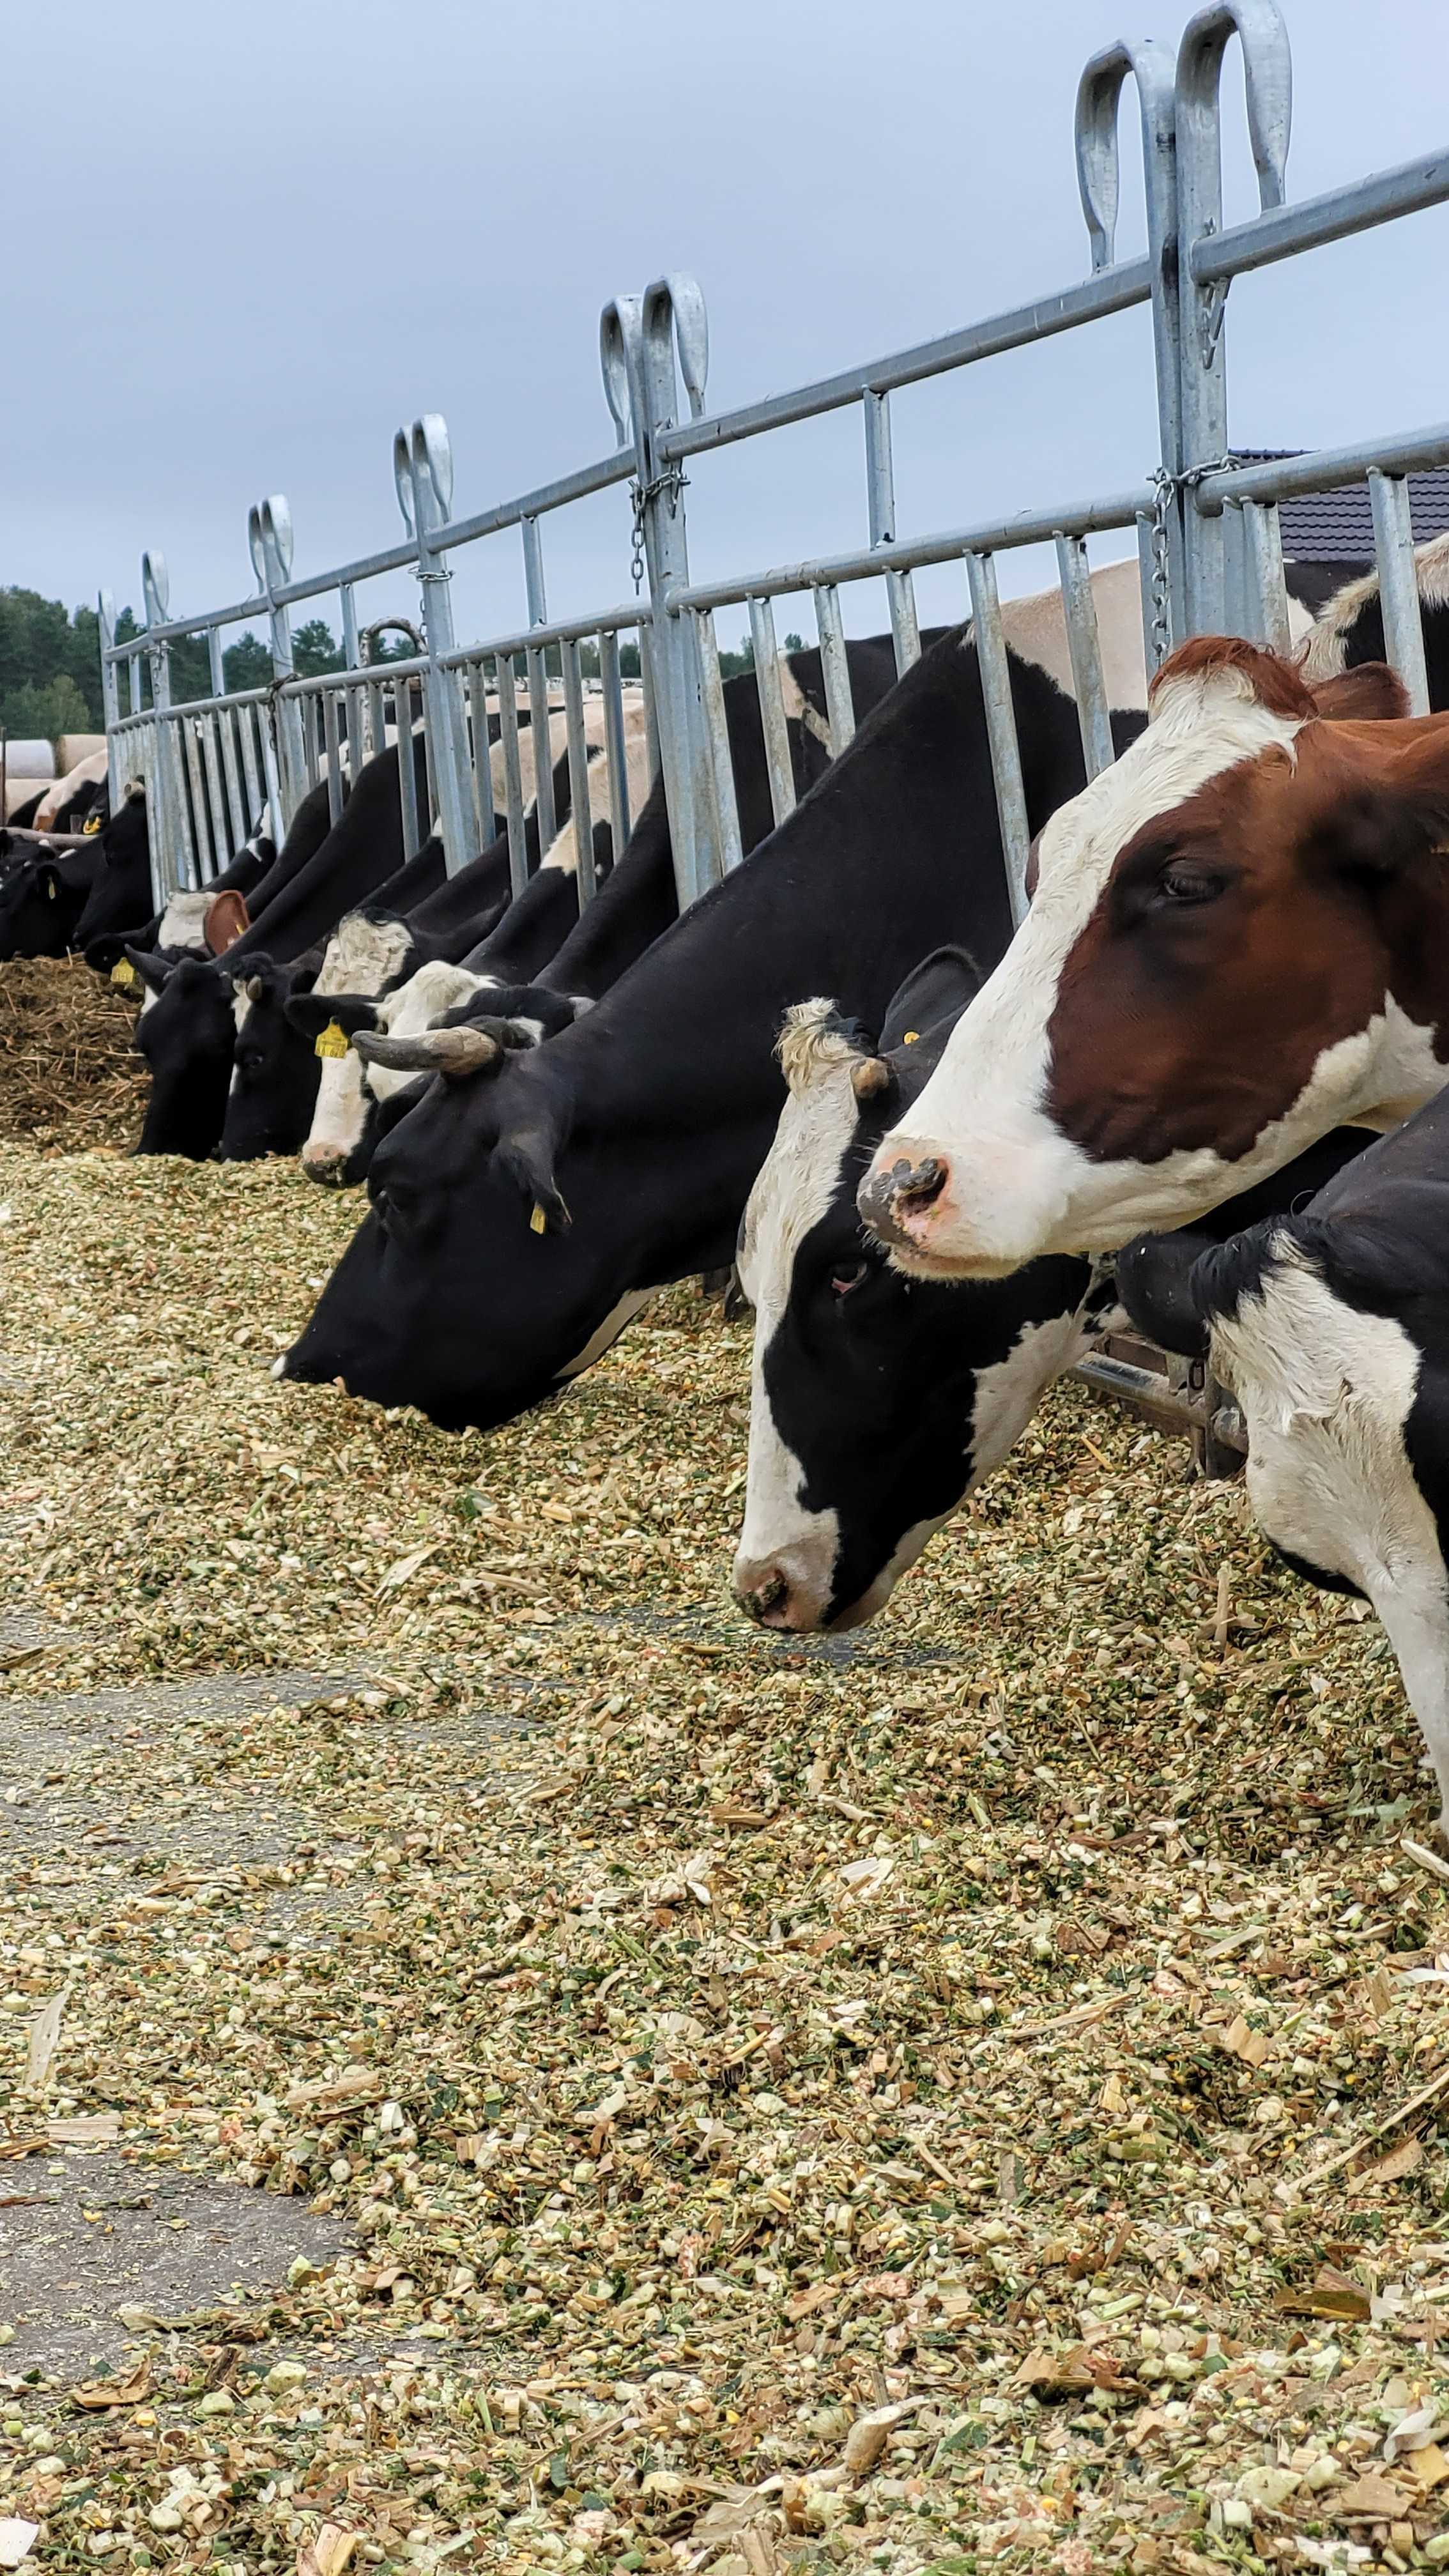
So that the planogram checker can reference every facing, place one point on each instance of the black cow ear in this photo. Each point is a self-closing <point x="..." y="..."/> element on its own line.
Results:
<point x="938" y="989"/>
<point x="527" y="1157"/>
<point x="314" y="1012"/>
<point x="153" y="966"/>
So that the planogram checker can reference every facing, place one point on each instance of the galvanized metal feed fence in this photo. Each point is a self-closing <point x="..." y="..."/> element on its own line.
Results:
<point x="1206" y="530"/>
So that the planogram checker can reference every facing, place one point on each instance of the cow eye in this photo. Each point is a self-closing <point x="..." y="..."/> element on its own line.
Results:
<point x="1183" y="881"/>
<point x="847" y="1277"/>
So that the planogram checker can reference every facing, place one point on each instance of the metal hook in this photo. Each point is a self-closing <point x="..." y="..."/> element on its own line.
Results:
<point x="269" y="541"/>
<point x="422" y="472"/>
<point x="620" y="338"/>
<point x="155" y="586"/>
<point x="1099" y="94"/>
<point x="1267" y="80"/>
<point x="675" y="305"/>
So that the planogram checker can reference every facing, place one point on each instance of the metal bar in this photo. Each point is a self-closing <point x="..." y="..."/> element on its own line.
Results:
<point x="227" y="722"/>
<point x="482" y="772"/>
<point x="246" y="722"/>
<point x="110" y="697"/>
<point x="1282" y="477"/>
<point x="1113" y="290"/>
<point x="1263" y="566"/>
<point x="1399" y="586"/>
<point x="559" y="630"/>
<point x="880" y="488"/>
<point x="377" y="717"/>
<point x="214" y="655"/>
<point x="535" y="505"/>
<point x="542" y="760"/>
<point x="582" y="811"/>
<point x="614" y="742"/>
<point x="834" y="666"/>
<point x="193" y="809"/>
<point x="333" y="736"/>
<point x="651" y="702"/>
<point x="351" y="648"/>
<point x="1147" y="1392"/>
<point x="209" y="728"/>
<point x="726" y="807"/>
<point x="267" y="735"/>
<point x="998" y="536"/>
<point x="772" y="710"/>
<point x="407" y="768"/>
<point x="1354" y="208"/>
<point x="996" y="699"/>
<point x="512" y="773"/>
<point x="1085" y="647"/>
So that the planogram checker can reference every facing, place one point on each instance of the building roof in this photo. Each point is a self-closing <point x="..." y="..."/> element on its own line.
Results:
<point x="1337" y="527"/>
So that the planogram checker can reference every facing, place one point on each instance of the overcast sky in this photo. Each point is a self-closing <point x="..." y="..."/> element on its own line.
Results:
<point x="256" y="238"/>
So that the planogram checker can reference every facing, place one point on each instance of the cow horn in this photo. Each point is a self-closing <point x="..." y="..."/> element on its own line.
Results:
<point x="868" y="1076"/>
<point x="455" y="1053"/>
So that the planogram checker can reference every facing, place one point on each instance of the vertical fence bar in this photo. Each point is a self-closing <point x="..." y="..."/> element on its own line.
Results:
<point x="880" y="494"/>
<point x="193" y="796"/>
<point x="482" y="769"/>
<point x="1267" y="591"/>
<point x="835" y="666"/>
<point x="407" y="767"/>
<point x="226" y="728"/>
<point x="165" y="803"/>
<point x="1399" y="585"/>
<point x="248" y="735"/>
<point x="1268" y="82"/>
<point x="614" y="742"/>
<point x="996" y="698"/>
<point x="772" y="709"/>
<point x="538" y="682"/>
<point x="351" y="650"/>
<point x="1085" y="647"/>
<point x="578" y="751"/>
<point x="651" y="702"/>
<point x="269" y="536"/>
<point x="215" y="800"/>
<point x="332" y="737"/>
<point x="727" y="816"/>
<point x="512" y="772"/>
<point x="271" y="769"/>
<point x="423" y="475"/>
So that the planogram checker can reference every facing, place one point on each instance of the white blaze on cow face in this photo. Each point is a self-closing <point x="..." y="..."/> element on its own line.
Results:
<point x="1017" y="1187"/>
<point x="241" y="1004"/>
<point x="1326" y="1390"/>
<point x="362" y="957"/>
<point x="783" y="1541"/>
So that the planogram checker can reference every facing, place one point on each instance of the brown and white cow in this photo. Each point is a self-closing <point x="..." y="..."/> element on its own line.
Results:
<point x="1239" y="940"/>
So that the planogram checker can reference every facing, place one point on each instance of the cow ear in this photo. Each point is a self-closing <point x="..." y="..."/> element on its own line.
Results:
<point x="527" y="1156"/>
<point x="1372" y="816"/>
<point x="938" y="989"/>
<point x="1369" y="694"/>
<point x="314" y="1012"/>
<point x="154" y="968"/>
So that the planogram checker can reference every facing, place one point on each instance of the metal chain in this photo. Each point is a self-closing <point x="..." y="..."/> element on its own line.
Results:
<point x="1165" y="489"/>
<point x="674" y="481"/>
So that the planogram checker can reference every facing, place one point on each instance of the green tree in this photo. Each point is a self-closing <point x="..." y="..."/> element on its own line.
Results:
<point x="247" y="664"/>
<point x="314" y="649"/>
<point x="41" y="711"/>
<point x="794" y="643"/>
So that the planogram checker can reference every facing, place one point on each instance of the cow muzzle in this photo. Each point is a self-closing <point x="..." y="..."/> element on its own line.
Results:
<point x="898" y="1199"/>
<point x="773" y="1597"/>
<point x="325" y="1163"/>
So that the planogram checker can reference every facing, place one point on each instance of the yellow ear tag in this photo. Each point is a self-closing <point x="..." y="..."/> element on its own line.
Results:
<point x="124" y="973"/>
<point x="92" y="823"/>
<point x="910" y="1037"/>
<point x="538" y="1222"/>
<point x="331" y="1043"/>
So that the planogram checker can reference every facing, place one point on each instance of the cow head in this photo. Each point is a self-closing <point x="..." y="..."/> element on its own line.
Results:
<point x="1225" y="958"/>
<point x="876" y="1401"/>
<point x="40" y="902"/>
<point x="120" y="897"/>
<point x="274" y="1068"/>
<point x="187" y="1038"/>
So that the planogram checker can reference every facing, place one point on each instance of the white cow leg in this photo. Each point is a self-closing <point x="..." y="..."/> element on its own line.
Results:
<point x="1416" y="1617"/>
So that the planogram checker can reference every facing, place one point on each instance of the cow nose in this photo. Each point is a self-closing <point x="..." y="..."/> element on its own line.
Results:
<point x="895" y="1200"/>
<point x="765" y="1593"/>
<point x="323" y="1162"/>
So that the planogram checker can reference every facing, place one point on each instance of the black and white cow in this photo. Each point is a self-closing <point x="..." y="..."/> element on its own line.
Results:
<point x="188" y="1036"/>
<point x="42" y="897"/>
<point x="876" y="1403"/>
<point x="518" y="1222"/>
<point x="1331" y="1327"/>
